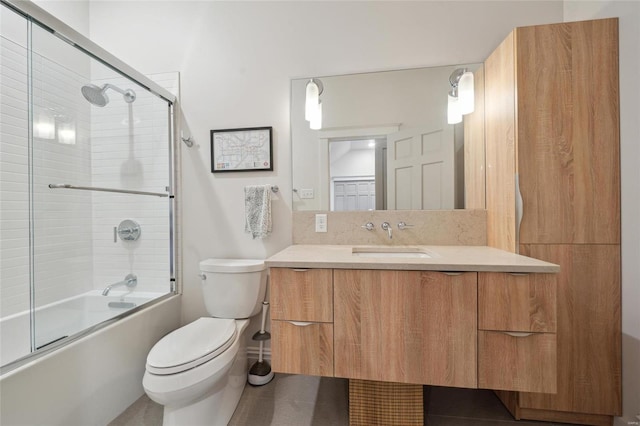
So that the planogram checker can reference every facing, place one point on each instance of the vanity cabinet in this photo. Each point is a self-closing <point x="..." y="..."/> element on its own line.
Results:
<point x="406" y="326"/>
<point x="302" y="321"/>
<point x="553" y="193"/>
<point x="459" y="329"/>
<point x="517" y="332"/>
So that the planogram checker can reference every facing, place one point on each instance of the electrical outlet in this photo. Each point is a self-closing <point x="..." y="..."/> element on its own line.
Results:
<point x="306" y="193"/>
<point x="321" y="223"/>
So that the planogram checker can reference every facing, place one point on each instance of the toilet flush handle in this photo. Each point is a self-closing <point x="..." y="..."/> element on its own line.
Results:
<point x="202" y="276"/>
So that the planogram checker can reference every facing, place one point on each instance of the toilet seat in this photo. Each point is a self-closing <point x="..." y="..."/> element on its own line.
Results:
<point x="191" y="345"/>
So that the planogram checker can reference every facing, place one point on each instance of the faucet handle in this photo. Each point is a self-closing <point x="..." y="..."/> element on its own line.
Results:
<point x="368" y="226"/>
<point x="387" y="227"/>
<point x="402" y="225"/>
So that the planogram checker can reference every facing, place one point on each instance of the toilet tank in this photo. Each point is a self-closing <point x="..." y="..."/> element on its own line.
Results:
<point x="233" y="288"/>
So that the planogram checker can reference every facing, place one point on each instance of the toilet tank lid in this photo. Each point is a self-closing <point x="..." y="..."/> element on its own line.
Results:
<point x="232" y="265"/>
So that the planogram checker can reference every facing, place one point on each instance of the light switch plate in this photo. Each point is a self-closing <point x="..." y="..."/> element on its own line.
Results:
<point x="306" y="194"/>
<point x="321" y="222"/>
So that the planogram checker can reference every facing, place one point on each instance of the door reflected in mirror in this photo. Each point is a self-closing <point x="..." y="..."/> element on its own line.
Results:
<point x="385" y="144"/>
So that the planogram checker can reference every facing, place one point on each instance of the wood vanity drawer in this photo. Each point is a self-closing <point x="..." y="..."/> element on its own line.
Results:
<point x="302" y="348"/>
<point x="518" y="362"/>
<point x="302" y="294"/>
<point x="517" y="302"/>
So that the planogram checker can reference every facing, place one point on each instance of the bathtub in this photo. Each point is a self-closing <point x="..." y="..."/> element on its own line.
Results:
<point x="96" y="376"/>
<point x="55" y="321"/>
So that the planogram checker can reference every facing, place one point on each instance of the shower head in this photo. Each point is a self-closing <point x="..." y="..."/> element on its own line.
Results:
<point x="97" y="95"/>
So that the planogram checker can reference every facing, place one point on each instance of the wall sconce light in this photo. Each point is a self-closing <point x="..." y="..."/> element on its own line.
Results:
<point x="461" y="95"/>
<point x="313" y="104"/>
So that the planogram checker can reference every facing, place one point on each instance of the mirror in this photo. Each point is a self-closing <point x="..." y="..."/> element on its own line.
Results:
<point x="385" y="143"/>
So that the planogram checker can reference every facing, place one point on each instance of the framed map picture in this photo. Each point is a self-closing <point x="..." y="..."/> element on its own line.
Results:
<point x="240" y="150"/>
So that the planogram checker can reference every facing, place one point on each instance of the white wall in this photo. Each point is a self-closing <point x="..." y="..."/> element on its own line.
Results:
<point x="629" y="14"/>
<point x="236" y="60"/>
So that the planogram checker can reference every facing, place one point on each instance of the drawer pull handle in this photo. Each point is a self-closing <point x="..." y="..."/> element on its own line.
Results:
<point x="519" y="274"/>
<point x="452" y="274"/>
<point x="300" y="323"/>
<point x="517" y="334"/>
<point x="300" y="269"/>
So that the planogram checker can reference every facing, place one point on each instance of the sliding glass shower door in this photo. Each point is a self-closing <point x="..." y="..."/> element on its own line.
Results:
<point x="86" y="190"/>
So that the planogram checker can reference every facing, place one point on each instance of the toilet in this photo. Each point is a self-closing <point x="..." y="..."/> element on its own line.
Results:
<point x="198" y="371"/>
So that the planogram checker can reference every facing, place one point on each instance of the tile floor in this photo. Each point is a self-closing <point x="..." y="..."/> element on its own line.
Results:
<point x="293" y="400"/>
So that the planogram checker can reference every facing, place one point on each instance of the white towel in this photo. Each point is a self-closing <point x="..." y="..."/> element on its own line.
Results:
<point x="257" y="210"/>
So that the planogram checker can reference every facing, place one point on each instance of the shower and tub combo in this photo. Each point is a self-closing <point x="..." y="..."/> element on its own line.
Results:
<point x="76" y="171"/>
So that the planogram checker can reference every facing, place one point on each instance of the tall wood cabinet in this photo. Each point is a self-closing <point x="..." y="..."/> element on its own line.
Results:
<point x="553" y="193"/>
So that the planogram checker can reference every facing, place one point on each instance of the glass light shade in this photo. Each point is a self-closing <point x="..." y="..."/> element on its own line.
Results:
<point x="316" y="118"/>
<point x="466" y="93"/>
<point x="454" y="115"/>
<point x="312" y="99"/>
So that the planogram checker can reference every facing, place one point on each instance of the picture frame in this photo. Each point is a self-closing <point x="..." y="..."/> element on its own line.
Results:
<point x="242" y="150"/>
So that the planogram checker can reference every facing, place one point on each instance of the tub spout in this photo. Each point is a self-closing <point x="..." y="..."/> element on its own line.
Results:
<point x="130" y="281"/>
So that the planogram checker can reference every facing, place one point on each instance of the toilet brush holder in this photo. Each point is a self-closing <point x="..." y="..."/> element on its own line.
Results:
<point x="260" y="373"/>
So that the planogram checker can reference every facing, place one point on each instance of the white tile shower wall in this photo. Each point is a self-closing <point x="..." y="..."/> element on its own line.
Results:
<point x="62" y="251"/>
<point x="130" y="151"/>
<point x="14" y="214"/>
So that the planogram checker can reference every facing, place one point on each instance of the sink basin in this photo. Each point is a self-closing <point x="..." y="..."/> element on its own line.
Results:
<point x="391" y="252"/>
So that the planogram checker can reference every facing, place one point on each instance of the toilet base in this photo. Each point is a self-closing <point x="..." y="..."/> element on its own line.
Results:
<point x="217" y="407"/>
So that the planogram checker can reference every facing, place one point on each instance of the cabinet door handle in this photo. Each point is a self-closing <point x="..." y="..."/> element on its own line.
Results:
<point x="519" y="274"/>
<point x="300" y="323"/>
<point x="452" y="274"/>
<point x="519" y="207"/>
<point x="300" y="269"/>
<point x="517" y="334"/>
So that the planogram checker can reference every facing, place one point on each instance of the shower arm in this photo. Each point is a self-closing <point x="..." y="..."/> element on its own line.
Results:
<point x="112" y="87"/>
<point x="129" y="95"/>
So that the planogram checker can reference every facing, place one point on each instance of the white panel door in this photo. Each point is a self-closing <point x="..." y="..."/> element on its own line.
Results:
<point x="421" y="168"/>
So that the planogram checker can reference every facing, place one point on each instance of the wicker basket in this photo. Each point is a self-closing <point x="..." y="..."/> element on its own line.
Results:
<point x="385" y="404"/>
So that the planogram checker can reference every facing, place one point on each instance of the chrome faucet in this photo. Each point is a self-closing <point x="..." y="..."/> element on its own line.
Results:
<point x="130" y="281"/>
<point x="387" y="227"/>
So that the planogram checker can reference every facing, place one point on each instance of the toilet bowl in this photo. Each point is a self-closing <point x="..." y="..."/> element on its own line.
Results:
<point x="198" y="372"/>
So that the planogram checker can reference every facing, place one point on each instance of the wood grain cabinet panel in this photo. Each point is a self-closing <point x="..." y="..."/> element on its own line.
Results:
<point x="500" y="146"/>
<point x="303" y="348"/>
<point x="517" y="302"/>
<point x="556" y="87"/>
<point x="589" y="329"/>
<point x="520" y="362"/>
<point x="302" y="294"/>
<point x="406" y="326"/>
<point x="568" y="132"/>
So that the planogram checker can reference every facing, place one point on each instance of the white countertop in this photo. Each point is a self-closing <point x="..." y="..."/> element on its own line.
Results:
<point x="444" y="258"/>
